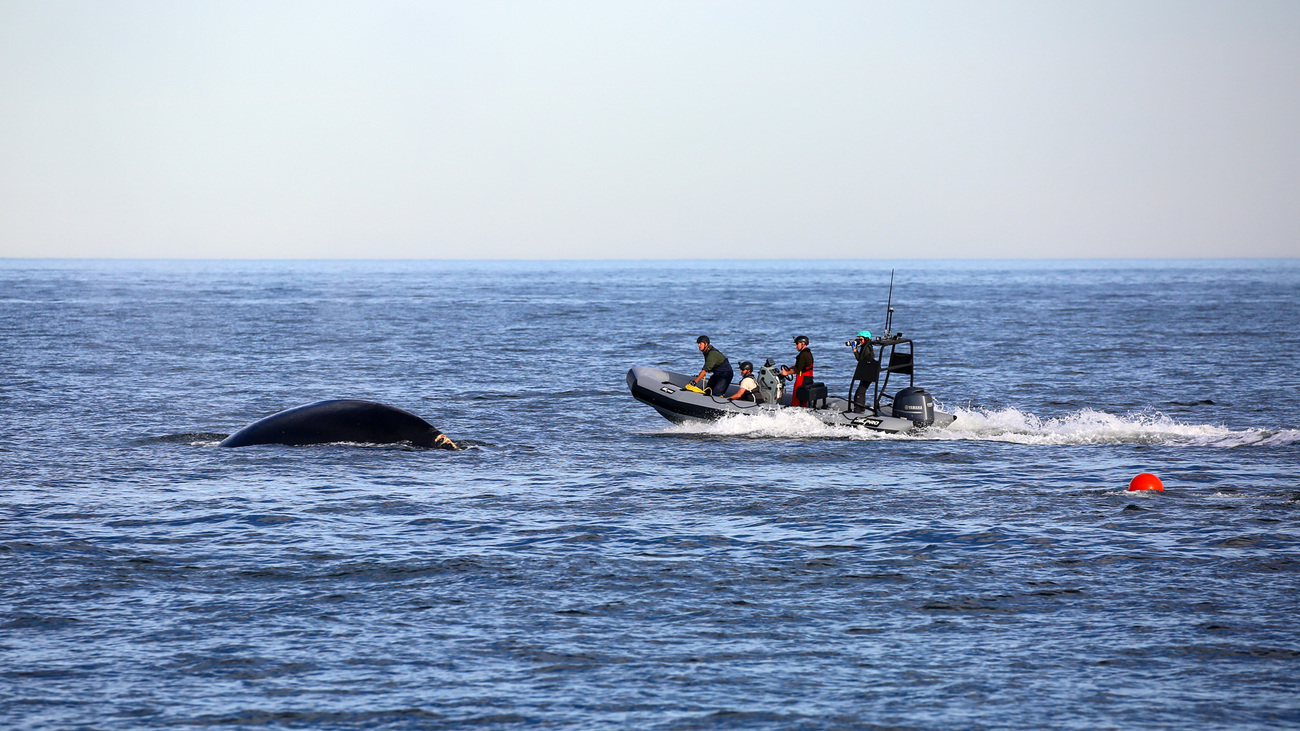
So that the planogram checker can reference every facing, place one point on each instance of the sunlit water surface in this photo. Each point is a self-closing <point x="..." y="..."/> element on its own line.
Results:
<point x="586" y="564"/>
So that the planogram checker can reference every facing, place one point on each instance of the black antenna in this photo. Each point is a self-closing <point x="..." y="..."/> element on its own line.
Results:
<point x="889" y="306"/>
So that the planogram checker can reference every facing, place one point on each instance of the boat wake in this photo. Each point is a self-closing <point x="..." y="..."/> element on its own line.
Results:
<point x="1010" y="425"/>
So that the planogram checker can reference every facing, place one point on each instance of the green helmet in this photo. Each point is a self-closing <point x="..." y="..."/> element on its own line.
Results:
<point x="865" y="334"/>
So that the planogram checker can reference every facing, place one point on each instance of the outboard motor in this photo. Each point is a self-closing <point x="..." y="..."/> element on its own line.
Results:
<point x="916" y="404"/>
<point x="770" y="383"/>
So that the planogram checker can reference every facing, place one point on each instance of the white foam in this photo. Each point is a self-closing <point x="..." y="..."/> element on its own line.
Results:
<point x="785" y="424"/>
<point x="1011" y="425"/>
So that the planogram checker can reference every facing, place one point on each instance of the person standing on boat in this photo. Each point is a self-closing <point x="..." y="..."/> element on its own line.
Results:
<point x="802" y="371"/>
<point x="748" y="389"/>
<point x="868" y="370"/>
<point x="715" y="363"/>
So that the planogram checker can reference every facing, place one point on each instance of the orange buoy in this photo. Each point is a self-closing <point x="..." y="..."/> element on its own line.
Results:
<point x="1146" y="481"/>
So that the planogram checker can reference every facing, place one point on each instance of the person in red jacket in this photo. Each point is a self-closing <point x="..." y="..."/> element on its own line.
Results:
<point x="802" y="370"/>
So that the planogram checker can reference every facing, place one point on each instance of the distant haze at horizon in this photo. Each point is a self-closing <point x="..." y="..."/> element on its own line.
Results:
<point x="728" y="130"/>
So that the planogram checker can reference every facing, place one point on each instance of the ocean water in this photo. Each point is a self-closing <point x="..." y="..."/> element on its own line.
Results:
<point x="584" y="564"/>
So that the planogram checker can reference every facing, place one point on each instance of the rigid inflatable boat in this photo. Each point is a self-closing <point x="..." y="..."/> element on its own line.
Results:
<point x="908" y="409"/>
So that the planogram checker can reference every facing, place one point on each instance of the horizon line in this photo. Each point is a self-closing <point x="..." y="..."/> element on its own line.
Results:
<point x="636" y="261"/>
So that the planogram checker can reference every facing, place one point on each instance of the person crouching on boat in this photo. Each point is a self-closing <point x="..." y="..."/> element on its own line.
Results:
<point x="802" y="371"/>
<point x="716" y="364"/>
<point x="748" y="389"/>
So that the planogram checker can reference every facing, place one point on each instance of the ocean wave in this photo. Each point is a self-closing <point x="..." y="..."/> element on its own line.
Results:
<point x="1011" y="425"/>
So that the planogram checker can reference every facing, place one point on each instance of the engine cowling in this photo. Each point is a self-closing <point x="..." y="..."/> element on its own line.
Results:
<point x="915" y="404"/>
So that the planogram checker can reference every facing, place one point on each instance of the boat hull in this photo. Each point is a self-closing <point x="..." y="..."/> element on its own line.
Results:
<point x="666" y="392"/>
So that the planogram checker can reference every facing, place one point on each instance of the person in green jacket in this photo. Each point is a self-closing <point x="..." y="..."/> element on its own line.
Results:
<point x="715" y="363"/>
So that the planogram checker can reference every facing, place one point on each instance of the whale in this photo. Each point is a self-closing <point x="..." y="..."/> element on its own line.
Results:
<point x="340" y="420"/>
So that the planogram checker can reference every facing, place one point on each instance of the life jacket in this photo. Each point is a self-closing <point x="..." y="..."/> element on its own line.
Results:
<point x="808" y="369"/>
<point x="751" y="394"/>
<point x="868" y="369"/>
<point x="802" y="378"/>
<point x="725" y="365"/>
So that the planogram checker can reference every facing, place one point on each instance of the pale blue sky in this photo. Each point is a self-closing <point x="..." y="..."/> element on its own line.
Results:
<point x="576" y="130"/>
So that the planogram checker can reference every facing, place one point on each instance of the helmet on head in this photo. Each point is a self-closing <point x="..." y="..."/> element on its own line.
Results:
<point x="746" y="365"/>
<point x="865" y="334"/>
<point x="702" y="339"/>
<point x="801" y="339"/>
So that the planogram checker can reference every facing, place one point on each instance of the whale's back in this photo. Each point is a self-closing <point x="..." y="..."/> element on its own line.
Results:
<point x="337" y="420"/>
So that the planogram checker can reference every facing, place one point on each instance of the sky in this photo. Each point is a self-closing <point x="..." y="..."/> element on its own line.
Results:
<point x="669" y="130"/>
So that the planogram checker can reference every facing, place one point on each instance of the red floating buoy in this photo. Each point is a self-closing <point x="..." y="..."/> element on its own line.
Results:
<point x="1146" y="481"/>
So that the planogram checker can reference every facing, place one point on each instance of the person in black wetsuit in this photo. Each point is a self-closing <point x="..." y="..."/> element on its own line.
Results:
<point x="715" y="363"/>
<point x="802" y="370"/>
<point x="867" y="372"/>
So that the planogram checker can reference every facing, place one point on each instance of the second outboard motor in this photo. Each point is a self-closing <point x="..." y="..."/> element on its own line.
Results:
<point x="916" y="404"/>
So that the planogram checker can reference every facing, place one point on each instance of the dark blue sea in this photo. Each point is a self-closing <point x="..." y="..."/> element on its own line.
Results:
<point x="585" y="564"/>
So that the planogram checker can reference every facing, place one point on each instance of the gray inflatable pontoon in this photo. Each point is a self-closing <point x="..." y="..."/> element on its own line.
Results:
<point x="910" y="409"/>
